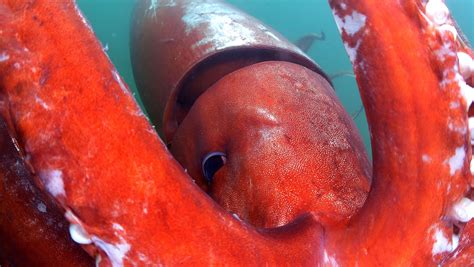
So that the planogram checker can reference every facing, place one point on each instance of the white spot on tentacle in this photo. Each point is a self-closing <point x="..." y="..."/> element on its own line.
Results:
<point x="454" y="105"/>
<point x="4" y="57"/>
<point x="352" y="51"/>
<point x="329" y="260"/>
<point x="351" y="24"/>
<point x="41" y="207"/>
<point x="53" y="182"/>
<point x="115" y="252"/>
<point x="146" y="261"/>
<point x="42" y="103"/>
<point x="117" y="227"/>
<point x="444" y="51"/>
<point x="145" y="208"/>
<point x="425" y="158"/>
<point x="456" y="161"/>
<point x="453" y="126"/>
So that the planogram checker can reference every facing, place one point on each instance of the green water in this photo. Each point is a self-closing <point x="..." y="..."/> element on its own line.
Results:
<point x="293" y="18"/>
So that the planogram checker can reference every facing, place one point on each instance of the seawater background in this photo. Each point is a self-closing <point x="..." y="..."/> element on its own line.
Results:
<point x="110" y="20"/>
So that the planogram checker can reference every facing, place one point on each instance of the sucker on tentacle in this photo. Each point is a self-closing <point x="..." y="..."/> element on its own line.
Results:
<point x="32" y="227"/>
<point x="397" y="88"/>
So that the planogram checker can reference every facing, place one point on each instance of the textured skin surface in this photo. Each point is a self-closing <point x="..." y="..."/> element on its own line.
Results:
<point x="400" y="79"/>
<point x="186" y="51"/>
<point x="281" y="127"/>
<point x="418" y="175"/>
<point x="33" y="231"/>
<point x="77" y="123"/>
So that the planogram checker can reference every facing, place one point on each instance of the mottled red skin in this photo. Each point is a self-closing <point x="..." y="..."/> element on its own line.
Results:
<point x="290" y="146"/>
<point x="115" y="169"/>
<point x="33" y="230"/>
<point x="308" y="159"/>
<point x="399" y="80"/>
<point x="167" y="49"/>
<point x="464" y="254"/>
<point x="128" y="167"/>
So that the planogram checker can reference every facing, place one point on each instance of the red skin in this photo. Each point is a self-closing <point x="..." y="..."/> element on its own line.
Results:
<point x="32" y="228"/>
<point x="399" y="81"/>
<point x="115" y="169"/>
<point x="280" y="130"/>
<point x="175" y="58"/>
<point x="291" y="148"/>
<point x="72" y="114"/>
<point x="463" y="255"/>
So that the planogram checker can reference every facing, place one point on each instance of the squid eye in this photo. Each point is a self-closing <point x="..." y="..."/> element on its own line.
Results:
<point x="211" y="164"/>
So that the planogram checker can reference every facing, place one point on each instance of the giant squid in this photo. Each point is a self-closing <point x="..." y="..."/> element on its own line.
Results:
<point x="259" y="163"/>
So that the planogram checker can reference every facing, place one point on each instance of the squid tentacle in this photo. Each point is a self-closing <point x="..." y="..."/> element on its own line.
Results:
<point x="96" y="153"/>
<point x="83" y="140"/>
<point x="421" y="154"/>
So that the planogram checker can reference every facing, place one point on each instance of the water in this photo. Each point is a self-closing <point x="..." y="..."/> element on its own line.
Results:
<point x="293" y="18"/>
